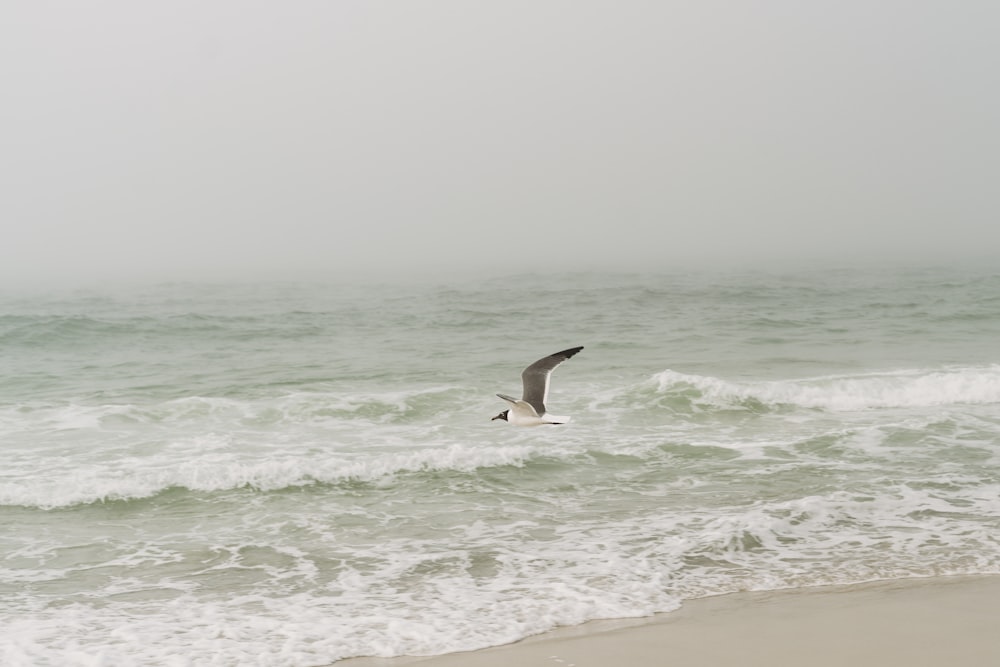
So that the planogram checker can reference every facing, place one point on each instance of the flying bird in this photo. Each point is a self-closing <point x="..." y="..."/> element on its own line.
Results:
<point x="530" y="410"/>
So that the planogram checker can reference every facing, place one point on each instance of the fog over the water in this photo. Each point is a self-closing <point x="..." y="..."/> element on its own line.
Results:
<point x="243" y="139"/>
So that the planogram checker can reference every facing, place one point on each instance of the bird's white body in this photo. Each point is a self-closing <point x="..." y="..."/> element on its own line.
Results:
<point x="521" y="413"/>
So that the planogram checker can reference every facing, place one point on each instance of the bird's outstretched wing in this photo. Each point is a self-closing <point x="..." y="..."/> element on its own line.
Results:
<point x="535" y="378"/>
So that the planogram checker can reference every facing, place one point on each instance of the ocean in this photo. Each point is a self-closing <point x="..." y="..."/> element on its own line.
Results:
<point x="290" y="474"/>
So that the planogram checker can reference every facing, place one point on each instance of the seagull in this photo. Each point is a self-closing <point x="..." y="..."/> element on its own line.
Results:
<point x="530" y="410"/>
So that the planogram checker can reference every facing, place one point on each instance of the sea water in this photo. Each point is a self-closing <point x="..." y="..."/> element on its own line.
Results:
<point x="292" y="474"/>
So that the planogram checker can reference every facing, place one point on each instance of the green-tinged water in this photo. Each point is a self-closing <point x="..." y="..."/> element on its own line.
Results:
<point x="291" y="474"/>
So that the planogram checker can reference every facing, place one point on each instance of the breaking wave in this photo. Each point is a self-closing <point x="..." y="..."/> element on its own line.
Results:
<point x="896" y="389"/>
<point x="136" y="480"/>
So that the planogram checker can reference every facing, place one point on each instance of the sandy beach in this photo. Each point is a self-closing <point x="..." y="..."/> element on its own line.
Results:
<point x="935" y="621"/>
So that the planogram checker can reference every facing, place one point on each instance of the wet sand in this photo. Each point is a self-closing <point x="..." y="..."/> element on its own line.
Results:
<point x="952" y="621"/>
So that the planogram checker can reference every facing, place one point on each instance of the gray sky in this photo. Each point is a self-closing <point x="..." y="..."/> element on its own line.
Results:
<point x="191" y="139"/>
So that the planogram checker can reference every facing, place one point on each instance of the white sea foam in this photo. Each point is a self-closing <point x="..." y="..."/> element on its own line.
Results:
<point x="426" y="597"/>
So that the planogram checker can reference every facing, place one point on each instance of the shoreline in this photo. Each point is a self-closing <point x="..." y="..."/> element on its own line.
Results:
<point x="941" y="620"/>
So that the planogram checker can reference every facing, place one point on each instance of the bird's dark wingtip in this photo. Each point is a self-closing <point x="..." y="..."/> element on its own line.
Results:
<point x="566" y="354"/>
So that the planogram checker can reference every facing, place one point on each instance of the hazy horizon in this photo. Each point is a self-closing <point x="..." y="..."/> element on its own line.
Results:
<point x="242" y="141"/>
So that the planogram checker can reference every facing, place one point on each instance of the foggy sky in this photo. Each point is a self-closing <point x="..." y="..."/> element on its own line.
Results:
<point x="223" y="139"/>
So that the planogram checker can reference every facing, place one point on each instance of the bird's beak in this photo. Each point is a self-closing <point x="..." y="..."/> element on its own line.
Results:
<point x="493" y="419"/>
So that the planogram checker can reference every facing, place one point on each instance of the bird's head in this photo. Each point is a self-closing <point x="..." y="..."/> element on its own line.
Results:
<point x="502" y="415"/>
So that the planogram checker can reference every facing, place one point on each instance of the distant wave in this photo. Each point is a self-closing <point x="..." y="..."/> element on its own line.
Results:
<point x="39" y="330"/>
<point x="897" y="389"/>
